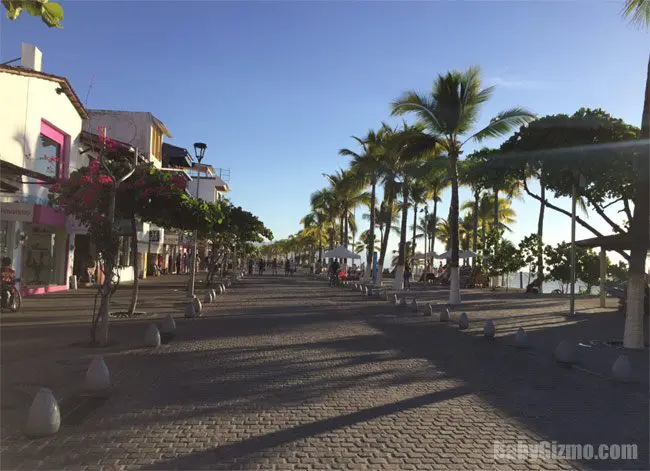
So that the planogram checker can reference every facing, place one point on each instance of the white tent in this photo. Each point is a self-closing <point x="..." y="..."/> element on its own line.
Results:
<point x="461" y="254"/>
<point x="341" y="252"/>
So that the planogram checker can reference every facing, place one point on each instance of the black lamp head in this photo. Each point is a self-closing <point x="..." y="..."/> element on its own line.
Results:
<point x="199" y="150"/>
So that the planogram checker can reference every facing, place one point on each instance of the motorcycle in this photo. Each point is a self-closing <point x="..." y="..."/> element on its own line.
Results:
<point x="12" y="300"/>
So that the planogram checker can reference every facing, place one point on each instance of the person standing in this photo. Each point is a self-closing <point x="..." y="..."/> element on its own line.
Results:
<point x="407" y="275"/>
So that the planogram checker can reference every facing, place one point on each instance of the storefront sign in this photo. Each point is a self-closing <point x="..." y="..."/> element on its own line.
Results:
<point x="154" y="235"/>
<point x="187" y="239"/>
<point x="171" y="239"/>
<point x="17" y="212"/>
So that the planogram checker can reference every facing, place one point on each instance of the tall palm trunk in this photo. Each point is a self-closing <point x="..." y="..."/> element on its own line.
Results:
<point x="398" y="282"/>
<point x="384" y="243"/>
<point x="454" y="288"/>
<point x="639" y="229"/>
<point x="435" y="229"/>
<point x="415" y="227"/>
<point x="134" y="254"/>
<point x="540" y="234"/>
<point x="475" y="222"/>
<point x="370" y="248"/>
<point x="496" y="208"/>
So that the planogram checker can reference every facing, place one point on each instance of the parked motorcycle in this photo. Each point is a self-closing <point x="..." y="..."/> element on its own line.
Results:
<point x="11" y="297"/>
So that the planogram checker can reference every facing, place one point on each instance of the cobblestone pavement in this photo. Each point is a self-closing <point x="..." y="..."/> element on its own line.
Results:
<point x="286" y="373"/>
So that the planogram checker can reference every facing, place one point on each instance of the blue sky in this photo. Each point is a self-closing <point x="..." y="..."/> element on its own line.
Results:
<point x="277" y="88"/>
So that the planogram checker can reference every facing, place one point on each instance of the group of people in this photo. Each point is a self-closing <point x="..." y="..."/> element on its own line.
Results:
<point x="289" y="269"/>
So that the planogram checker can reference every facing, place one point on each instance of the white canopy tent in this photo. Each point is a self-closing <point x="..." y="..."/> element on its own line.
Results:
<point x="341" y="252"/>
<point x="461" y="254"/>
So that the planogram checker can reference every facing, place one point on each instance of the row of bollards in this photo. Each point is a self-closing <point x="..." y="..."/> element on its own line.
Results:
<point x="44" y="415"/>
<point x="565" y="352"/>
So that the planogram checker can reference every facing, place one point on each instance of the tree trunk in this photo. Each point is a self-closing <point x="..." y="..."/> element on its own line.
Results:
<point x="435" y="230"/>
<point x="398" y="281"/>
<point x="134" y="254"/>
<point x="496" y="208"/>
<point x="540" y="235"/>
<point x="370" y="248"/>
<point x="415" y="228"/>
<point x="384" y="243"/>
<point x="454" y="286"/>
<point x="634" y="336"/>
<point x="109" y="264"/>
<point x="477" y="201"/>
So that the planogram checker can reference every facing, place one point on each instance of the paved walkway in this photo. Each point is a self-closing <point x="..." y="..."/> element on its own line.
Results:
<point x="285" y="373"/>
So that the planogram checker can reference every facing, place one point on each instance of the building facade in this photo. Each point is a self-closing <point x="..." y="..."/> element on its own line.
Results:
<point x="40" y="123"/>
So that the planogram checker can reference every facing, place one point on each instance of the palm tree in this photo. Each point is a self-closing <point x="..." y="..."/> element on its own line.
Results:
<point x="449" y="113"/>
<point x="418" y="196"/>
<point x="324" y="203"/>
<point x="313" y="224"/>
<point x="444" y="232"/>
<point x="365" y="167"/>
<point x="409" y="148"/>
<point x="348" y="194"/>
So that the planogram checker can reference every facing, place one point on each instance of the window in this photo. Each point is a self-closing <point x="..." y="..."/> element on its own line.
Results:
<point x="48" y="158"/>
<point x="4" y="237"/>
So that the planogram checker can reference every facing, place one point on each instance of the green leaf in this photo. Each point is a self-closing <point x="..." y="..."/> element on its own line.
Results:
<point x="34" y="8"/>
<point x="52" y="14"/>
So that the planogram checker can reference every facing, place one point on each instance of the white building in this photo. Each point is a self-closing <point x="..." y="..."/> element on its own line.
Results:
<point x="40" y="121"/>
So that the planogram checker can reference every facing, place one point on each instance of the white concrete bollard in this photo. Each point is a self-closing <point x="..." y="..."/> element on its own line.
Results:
<point x="189" y="310"/>
<point x="414" y="305"/>
<point x="622" y="369"/>
<point x="168" y="325"/>
<point x="198" y="307"/>
<point x="430" y="309"/>
<point x="152" y="336"/>
<point x="222" y="288"/>
<point x="361" y="288"/>
<point x="521" y="338"/>
<point x="208" y="298"/>
<point x="463" y="321"/>
<point x="488" y="329"/>
<point x="97" y="376"/>
<point x="366" y="292"/>
<point x="396" y="300"/>
<point x="44" y="417"/>
<point x="214" y="293"/>
<point x="565" y="352"/>
<point x="445" y="316"/>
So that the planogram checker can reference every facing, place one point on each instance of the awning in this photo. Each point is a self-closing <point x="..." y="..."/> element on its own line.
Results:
<point x="8" y="169"/>
<point x="610" y="242"/>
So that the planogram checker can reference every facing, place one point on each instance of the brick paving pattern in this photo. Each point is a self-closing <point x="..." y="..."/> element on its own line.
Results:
<point x="289" y="374"/>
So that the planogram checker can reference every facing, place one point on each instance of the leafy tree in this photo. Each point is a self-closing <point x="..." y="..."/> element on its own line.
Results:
<point x="609" y="179"/>
<point x="449" y="113"/>
<point x="530" y="247"/>
<point x="50" y="12"/>
<point x="618" y="273"/>
<point x="501" y="257"/>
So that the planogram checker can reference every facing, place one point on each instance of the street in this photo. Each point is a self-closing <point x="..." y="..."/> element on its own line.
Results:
<point x="285" y="373"/>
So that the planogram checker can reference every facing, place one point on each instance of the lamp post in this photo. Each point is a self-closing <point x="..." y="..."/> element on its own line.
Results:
<point x="199" y="151"/>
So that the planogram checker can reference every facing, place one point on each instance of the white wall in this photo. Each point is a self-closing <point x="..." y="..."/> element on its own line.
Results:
<point x="24" y="101"/>
<point x="132" y="128"/>
<point x="207" y="191"/>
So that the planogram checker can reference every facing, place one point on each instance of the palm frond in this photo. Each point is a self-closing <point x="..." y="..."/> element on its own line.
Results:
<point x="638" y="11"/>
<point x="422" y="105"/>
<point x="503" y="123"/>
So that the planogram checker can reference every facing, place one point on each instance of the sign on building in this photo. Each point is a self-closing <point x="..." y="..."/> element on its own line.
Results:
<point x="154" y="235"/>
<point x="17" y="212"/>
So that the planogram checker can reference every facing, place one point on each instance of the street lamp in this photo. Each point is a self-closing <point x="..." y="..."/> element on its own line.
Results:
<point x="199" y="151"/>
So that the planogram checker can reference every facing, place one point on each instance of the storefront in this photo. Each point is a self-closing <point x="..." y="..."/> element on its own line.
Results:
<point x="35" y="238"/>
